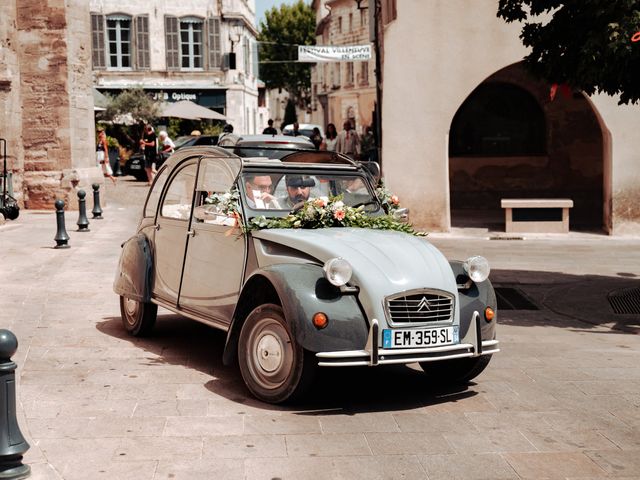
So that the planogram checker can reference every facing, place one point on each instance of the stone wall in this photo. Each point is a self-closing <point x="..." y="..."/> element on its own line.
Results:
<point x="57" y="106"/>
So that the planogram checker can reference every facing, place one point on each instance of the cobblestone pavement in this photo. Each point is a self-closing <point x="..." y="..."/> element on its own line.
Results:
<point x="560" y="401"/>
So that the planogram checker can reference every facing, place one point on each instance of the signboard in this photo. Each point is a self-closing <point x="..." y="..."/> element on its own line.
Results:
<point x="334" y="53"/>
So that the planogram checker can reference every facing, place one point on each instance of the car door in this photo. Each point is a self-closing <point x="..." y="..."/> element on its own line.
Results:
<point x="216" y="250"/>
<point x="170" y="238"/>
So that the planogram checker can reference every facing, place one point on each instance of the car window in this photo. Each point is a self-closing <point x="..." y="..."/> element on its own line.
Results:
<point x="177" y="200"/>
<point x="206" y="140"/>
<point x="282" y="192"/>
<point x="156" y="190"/>
<point x="213" y="191"/>
<point x="180" y="141"/>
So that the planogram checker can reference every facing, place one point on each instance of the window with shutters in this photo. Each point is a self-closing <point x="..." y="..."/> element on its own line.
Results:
<point x="349" y="79"/>
<point x="119" y="42"/>
<point x="172" y="41"/>
<point x="215" y="47"/>
<point x="142" y="42"/>
<point x="191" y="54"/>
<point x="364" y="73"/>
<point x="97" y="40"/>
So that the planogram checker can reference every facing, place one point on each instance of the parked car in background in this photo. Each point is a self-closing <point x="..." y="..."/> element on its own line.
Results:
<point x="135" y="165"/>
<point x="270" y="146"/>
<point x="305" y="129"/>
<point x="332" y="281"/>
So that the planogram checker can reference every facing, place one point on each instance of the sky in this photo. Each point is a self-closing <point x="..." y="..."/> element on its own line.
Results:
<point x="264" y="5"/>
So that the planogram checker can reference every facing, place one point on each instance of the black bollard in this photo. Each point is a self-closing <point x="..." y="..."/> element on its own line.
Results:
<point x="61" y="238"/>
<point x="83" y="221"/>
<point x="97" y="211"/>
<point x="12" y="444"/>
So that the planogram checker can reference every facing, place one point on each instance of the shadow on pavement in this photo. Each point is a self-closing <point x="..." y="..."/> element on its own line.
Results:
<point x="180" y="341"/>
<point x="566" y="300"/>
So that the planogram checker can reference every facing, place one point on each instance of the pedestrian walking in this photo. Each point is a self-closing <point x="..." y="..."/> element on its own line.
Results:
<point x="348" y="141"/>
<point x="102" y="156"/>
<point x="316" y="138"/>
<point x="226" y="130"/>
<point x="167" y="148"/>
<point x="331" y="138"/>
<point x="270" y="130"/>
<point x="368" y="146"/>
<point x="149" y="143"/>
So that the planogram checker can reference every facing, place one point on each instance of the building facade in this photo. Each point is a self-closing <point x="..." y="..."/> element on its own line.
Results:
<point x="197" y="50"/>
<point x="343" y="91"/>
<point x="46" y="107"/>
<point x="464" y="125"/>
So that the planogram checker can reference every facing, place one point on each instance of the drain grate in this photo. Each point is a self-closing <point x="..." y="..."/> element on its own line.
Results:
<point x="625" y="301"/>
<point x="510" y="298"/>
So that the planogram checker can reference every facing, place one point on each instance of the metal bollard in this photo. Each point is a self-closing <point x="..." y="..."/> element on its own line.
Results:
<point x="83" y="221"/>
<point x="61" y="238"/>
<point x="97" y="211"/>
<point x="12" y="444"/>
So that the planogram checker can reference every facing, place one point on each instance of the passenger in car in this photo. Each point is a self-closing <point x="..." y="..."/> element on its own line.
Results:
<point x="298" y="189"/>
<point x="259" y="192"/>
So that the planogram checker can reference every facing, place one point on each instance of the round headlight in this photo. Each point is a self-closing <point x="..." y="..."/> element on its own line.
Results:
<point x="338" y="271"/>
<point x="477" y="268"/>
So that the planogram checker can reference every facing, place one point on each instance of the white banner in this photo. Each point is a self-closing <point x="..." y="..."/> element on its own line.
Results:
<point x="334" y="53"/>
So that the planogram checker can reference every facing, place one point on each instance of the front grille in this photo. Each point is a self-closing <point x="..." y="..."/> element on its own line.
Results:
<point x="421" y="307"/>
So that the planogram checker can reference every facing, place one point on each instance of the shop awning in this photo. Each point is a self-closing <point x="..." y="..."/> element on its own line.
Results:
<point x="189" y="110"/>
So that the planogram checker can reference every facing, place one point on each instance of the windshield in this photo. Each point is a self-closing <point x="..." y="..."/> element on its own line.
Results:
<point x="273" y="150"/>
<point x="278" y="193"/>
<point x="180" y="141"/>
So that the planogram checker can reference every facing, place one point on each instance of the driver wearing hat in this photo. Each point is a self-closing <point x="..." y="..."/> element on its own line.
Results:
<point x="298" y="189"/>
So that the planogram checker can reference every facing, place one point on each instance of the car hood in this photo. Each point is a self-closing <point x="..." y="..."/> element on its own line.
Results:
<point x="384" y="262"/>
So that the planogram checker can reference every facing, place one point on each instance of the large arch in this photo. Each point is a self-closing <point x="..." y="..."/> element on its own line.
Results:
<point x="509" y="139"/>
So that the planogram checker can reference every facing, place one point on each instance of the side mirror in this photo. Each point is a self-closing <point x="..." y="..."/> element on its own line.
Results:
<point x="402" y="215"/>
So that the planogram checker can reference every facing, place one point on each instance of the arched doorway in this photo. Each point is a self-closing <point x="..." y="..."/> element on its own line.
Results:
<point x="508" y="139"/>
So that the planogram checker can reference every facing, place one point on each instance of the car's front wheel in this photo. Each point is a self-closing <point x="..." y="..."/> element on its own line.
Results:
<point x="455" y="372"/>
<point x="272" y="363"/>
<point x="138" y="318"/>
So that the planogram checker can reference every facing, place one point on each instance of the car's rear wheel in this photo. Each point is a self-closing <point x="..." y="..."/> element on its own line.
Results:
<point x="455" y="372"/>
<point x="138" y="318"/>
<point x="272" y="363"/>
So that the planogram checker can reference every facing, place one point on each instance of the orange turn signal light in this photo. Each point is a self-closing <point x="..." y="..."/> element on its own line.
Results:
<point x="320" y="320"/>
<point x="489" y="314"/>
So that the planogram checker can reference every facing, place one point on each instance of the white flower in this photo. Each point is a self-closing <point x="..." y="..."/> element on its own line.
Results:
<point x="337" y="205"/>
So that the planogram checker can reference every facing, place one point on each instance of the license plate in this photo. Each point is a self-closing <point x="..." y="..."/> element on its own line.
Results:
<point x="135" y="166"/>
<point x="425" y="337"/>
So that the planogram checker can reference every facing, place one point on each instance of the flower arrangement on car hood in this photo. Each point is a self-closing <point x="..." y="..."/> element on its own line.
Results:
<point x="323" y="212"/>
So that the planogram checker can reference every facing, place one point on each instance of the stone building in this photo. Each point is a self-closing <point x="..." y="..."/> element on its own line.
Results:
<point x="180" y="51"/>
<point x="464" y="125"/>
<point x="46" y="106"/>
<point x="342" y="90"/>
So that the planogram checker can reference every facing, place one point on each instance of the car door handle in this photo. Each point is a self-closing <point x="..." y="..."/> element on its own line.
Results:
<point x="191" y="233"/>
<point x="156" y="227"/>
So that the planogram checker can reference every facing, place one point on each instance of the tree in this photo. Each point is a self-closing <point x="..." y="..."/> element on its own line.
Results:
<point x="281" y="32"/>
<point x="132" y="106"/>
<point x="586" y="44"/>
<point x="290" y="115"/>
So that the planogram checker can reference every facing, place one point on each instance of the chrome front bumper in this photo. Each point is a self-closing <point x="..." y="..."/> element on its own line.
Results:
<point x="374" y="355"/>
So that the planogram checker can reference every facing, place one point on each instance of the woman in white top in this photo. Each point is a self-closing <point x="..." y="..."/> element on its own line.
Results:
<point x="331" y="139"/>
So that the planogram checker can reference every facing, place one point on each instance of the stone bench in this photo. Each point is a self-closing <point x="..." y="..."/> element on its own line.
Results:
<point x="536" y="215"/>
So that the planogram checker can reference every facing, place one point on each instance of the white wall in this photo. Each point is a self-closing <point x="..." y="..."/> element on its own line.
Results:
<point x="435" y="54"/>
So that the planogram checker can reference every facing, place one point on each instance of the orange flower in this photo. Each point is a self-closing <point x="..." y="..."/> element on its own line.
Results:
<point x="339" y="215"/>
<point x="318" y="202"/>
<point x="395" y="200"/>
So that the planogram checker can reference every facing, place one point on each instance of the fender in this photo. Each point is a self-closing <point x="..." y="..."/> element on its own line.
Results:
<point x="303" y="291"/>
<point x="475" y="298"/>
<point x="135" y="269"/>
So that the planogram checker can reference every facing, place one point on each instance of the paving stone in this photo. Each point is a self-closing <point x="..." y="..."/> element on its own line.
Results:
<point x="203" y="426"/>
<point x="328" y="445"/>
<point x="244" y="446"/>
<point x="205" y="469"/>
<point x="158" y="448"/>
<point x="280" y="424"/>
<point x="408" y="443"/>
<point x="467" y="467"/>
<point x="373" y="422"/>
<point x="616" y="462"/>
<point x="552" y="465"/>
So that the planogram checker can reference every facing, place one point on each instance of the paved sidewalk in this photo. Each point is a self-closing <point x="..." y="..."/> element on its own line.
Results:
<point x="560" y="401"/>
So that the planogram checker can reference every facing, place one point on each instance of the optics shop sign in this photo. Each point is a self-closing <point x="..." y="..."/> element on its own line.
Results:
<point x="334" y="53"/>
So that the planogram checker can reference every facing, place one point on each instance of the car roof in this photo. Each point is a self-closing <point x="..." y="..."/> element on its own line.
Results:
<point x="268" y="140"/>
